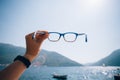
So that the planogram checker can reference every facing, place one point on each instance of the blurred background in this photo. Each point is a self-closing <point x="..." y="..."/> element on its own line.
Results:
<point x="99" y="19"/>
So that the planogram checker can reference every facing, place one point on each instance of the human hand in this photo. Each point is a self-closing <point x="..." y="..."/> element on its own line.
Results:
<point x="33" y="45"/>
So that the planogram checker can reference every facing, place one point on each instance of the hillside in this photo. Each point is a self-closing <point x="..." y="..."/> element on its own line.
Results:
<point x="112" y="60"/>
<point x="48" y="58"/>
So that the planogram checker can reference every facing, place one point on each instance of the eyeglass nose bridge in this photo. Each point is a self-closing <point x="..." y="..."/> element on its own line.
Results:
<point x="61" y="35"/>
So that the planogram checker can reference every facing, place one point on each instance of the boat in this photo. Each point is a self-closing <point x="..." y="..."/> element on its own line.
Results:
<point x="59" y="76"/>
<point x="117" y="77"/>
<point x="103" y="65"/>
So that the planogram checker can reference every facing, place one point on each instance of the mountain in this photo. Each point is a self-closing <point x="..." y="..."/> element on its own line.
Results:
<point x="46" y="58"/>
<point x="8" y="52"/>
<point x="112" y="60"/>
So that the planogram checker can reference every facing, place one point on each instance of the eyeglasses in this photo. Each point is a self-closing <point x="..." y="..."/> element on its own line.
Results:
<point x="68" y="36"/>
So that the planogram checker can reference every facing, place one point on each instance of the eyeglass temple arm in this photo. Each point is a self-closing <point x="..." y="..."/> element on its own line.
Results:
<point x="86" y="40"/>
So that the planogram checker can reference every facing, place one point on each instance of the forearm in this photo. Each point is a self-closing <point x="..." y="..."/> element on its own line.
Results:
<point x="15" y="69"/>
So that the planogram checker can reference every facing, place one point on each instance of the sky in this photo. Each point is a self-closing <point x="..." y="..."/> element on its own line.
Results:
<point x="99" y="19"/>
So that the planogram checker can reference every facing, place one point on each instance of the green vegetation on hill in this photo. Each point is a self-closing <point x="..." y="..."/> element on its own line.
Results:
<point x="8" y="52"/>
<point x="112" y="60"/>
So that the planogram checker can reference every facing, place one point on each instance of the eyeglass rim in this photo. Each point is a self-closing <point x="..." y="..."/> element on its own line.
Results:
<point x="54" y="40"/>
<point x="77" y="34"/>
<point x="62" y="34"/>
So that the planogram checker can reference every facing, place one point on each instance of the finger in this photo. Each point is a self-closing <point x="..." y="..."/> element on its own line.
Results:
<point x="42" y="34"/>
<point x="29" y="35"/>
<point x="39" y="35"/>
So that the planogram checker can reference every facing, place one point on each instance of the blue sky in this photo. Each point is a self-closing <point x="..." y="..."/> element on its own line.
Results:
<point x="99" y="19"/>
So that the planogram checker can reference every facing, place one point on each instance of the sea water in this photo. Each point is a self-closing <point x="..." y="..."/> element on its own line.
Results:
<point x="73" y="73"/>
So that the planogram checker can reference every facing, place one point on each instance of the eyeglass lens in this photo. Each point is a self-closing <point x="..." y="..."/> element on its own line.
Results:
<point x="70" y="37"/>
<point x="54" y="36"/>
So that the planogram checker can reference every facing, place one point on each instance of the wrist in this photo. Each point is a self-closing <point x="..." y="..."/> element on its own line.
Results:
<point x="24" y="60"/>
<point x="29" y="57"/>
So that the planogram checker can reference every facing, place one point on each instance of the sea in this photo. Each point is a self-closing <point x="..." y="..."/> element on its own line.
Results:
<point x="73" y="73"/>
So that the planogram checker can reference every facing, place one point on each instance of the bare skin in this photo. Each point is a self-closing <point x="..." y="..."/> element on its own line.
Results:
<point x="15" y="70"/>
